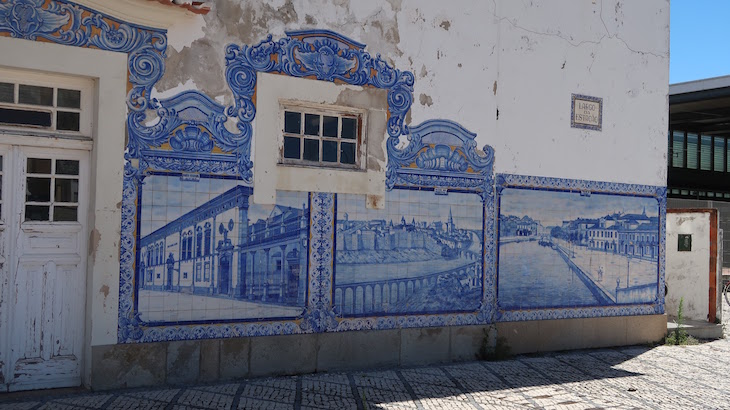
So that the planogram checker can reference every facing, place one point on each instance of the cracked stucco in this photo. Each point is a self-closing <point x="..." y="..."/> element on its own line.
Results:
<point x="537" y="51"/>
<point x="233" y="21"/>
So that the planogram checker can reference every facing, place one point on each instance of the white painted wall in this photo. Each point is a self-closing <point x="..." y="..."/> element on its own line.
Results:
<point x="472" y="58"/>
<point x="687" y="273"/>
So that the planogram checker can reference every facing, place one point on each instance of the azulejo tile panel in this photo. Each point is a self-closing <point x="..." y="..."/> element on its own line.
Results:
<point x="199" y="260"/>
<point x="421" y="254"/>
<point x="427" y="258"/>
<point x="207" y="253"/>
<point x="574" y="248"/>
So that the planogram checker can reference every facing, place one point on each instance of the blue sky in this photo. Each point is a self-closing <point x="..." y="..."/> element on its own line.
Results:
<point x="699" y="39"/>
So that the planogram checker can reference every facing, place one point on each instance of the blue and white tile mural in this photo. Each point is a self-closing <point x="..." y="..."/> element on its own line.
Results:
<point x="199" y="260"/>
<point x="572" y="248"/>
<point x="207" y="253"/>
<point x="421" y="254"/>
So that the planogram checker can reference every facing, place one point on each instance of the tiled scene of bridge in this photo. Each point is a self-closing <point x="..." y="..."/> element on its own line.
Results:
<point x="410" y="258"/>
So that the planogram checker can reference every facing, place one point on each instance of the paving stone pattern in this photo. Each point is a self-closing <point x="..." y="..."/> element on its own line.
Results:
<point x="663" y="377"/>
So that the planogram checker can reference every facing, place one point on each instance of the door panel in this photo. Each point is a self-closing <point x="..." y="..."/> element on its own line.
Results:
<point x="5" y="256"/>
<point x="45" y="285"/>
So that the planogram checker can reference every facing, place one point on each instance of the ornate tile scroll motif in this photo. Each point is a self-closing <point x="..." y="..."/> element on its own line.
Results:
<point x="192" y="146"/>
<point x="439" y="164"/>
<point x="424" y="162"/>
<point x="319" y="317"/>
<point x="319" y="54"/>
<point x="597" y="248"/>
<point x="189" y="136"/>
<point x="325" y="56"/>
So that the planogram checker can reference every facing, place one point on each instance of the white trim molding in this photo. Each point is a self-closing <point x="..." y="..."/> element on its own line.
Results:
<point x="142" y="12"/>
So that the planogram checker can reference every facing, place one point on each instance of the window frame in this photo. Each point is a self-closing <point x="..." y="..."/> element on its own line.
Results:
<point x="52" y="202"/>
<point x="323" y="110"/>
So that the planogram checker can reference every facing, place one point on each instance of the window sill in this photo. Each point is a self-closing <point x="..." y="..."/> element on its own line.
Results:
<point x="354" y="168"/>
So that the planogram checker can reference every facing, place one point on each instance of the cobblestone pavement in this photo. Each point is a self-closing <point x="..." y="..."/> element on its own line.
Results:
<point x="663" y="377"/>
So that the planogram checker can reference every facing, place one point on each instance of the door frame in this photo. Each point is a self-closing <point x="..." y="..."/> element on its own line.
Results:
<point x="109" y="72"/>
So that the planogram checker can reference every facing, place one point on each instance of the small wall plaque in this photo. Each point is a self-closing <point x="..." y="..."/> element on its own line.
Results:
<point x="586" y="112"/>
<point x="684" y="244"/>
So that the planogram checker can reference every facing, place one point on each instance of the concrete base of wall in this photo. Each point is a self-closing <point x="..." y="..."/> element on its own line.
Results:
<point x="698" y="328"/>
<point x="585" y="333"/>
<point x="183" y="362"/>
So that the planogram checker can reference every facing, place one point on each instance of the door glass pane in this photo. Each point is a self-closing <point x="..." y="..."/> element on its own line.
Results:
<point x="678" y="149"/>
<point x="36" y="212"/>
<point x="68" y="98"/>
<point x="39" y="166"/>
<point x="38" y="190"/>
<point x="33" y="94"/>
<point x="705" y="152"/>
<point x="692" y="151"/>
<point x="719" y="152"/>
<point x="67" y="167"/>
<point x="7" y="91"/>
<point x="68" y="121"/>
<point x="67" y="190"/>
<point x="65" y="213"/>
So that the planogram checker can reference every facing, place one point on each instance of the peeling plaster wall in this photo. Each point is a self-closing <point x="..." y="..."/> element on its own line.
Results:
<point x="503" y="69"/>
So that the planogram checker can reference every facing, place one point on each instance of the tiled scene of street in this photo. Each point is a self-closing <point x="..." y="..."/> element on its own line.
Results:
<point x="643" y="377"/>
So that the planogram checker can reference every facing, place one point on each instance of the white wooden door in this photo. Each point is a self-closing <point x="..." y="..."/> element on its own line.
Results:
<point x="42" y="266"/>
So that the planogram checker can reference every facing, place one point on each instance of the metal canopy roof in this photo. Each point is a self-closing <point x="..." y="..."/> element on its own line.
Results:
<point x="701" y="106"/>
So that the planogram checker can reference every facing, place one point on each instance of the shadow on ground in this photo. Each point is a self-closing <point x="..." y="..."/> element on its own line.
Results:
<point x="526" y="380"/>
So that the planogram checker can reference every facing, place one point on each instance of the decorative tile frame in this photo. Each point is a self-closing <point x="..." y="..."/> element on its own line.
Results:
<point x="574" y="124"/>
<point x="191" y="125"/>
<point x="441" y="155"/>
<point x="586" y="188"/>
<point x="318" y="54"/>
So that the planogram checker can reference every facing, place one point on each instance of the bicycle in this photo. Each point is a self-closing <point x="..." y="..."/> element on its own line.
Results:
<point x="726" y="289"/>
